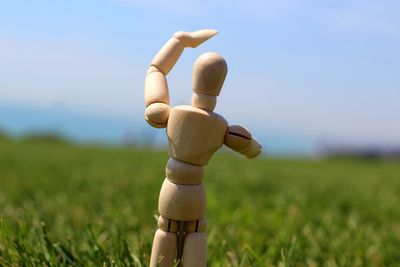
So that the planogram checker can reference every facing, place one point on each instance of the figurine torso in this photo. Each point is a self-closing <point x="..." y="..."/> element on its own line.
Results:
<point x="194" y="134"/>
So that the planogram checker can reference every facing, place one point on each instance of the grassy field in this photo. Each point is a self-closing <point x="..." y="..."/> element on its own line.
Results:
<point x="63" y="205"/>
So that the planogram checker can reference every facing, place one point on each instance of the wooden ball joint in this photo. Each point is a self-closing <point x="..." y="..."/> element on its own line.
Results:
<point x="194" y="133"/>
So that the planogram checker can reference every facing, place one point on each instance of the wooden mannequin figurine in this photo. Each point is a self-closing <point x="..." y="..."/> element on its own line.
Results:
<point x="194" y="133"/>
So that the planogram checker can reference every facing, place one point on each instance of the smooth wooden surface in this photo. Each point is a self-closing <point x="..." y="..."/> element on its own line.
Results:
<point x="163" y="251"/>
<point x="237" y="138"/>
<point x="194" y="39"/>
<point x="157" y="115"/>
<point x="168" y="55"/>
<point x="195" y="134"/>
<point x="156" y="88"/>
<point x="195" y="250"/>
<point x="152" y="69"/>
<point x="180" y="172"/>
<point x="205" y="102"/>
<point x="253" y="150"/>
<point x="196" y="226"/>
<point x="182" y="202"/>
<point x="209" y="72"/>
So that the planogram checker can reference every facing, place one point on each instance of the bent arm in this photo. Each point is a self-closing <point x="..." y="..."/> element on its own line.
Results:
<point x="156" y="93"/>
<point x="156" y="98"/>
<point x="240" y="140"/>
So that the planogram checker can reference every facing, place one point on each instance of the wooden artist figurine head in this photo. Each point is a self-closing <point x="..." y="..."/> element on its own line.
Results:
<point x="194" y="134"/>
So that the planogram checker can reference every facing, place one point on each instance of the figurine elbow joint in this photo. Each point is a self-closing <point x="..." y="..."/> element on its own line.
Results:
<point x="157" y="114"/>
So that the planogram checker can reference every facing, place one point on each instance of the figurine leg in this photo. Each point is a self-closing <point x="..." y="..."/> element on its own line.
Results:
<point x="164" y="245"/>
<point x="195" y="246"/>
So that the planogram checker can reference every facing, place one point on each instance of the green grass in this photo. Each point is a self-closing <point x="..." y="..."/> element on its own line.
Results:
<point x="63" y="205"/>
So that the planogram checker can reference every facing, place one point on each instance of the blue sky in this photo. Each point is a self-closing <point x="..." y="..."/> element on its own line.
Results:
<point x="321" y="70"/>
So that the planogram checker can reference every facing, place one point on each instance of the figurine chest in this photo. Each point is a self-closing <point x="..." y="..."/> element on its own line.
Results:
<point x="194" y="134"/>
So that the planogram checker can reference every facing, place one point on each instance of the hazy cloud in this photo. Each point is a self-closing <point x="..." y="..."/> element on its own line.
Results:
<point x="175" y="6"/>
<point x="50" y="73"/>
<point x="365" y="17"/>
<point x="290" y="74"/>
<point x="369" y="17"/>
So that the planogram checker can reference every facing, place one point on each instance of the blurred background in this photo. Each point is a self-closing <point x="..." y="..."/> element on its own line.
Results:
<point x="306" y="77"/>
<point x="317" y="82"/>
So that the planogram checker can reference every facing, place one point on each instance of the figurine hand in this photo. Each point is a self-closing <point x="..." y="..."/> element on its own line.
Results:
<point x="254" y="149"/>
<point x="157" y="115"/>
<point x="194" y="39"/>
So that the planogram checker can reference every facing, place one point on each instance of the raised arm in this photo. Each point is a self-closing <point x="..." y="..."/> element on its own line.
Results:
<point x="156" y="93"/>
<point x="239" y="139"/>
